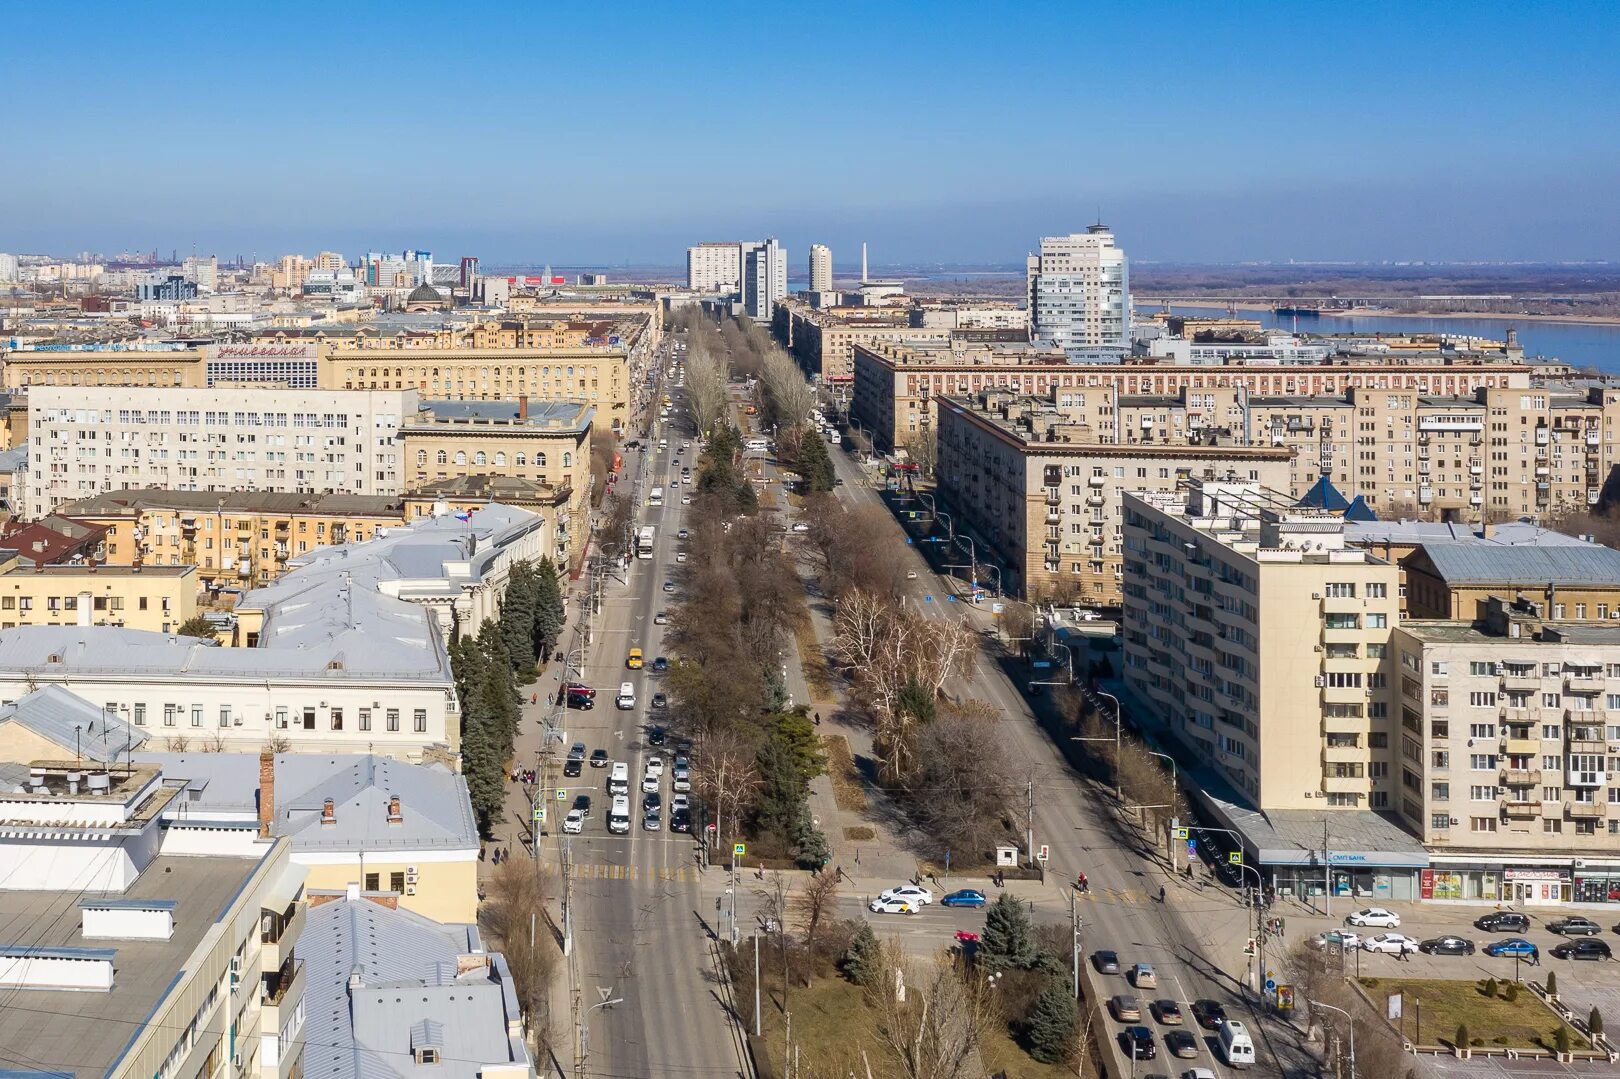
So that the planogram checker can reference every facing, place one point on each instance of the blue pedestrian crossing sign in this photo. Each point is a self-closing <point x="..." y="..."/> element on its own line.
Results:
<point x="562" y="795"/>
<point x="739" y="849"/>
<point x="539" y="813"/>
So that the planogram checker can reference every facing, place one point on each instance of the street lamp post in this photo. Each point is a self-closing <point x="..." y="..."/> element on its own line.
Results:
<point x="1175" y="865"/>
<point x="1119" y="785"/>
<point x="1349" y="1019"/>
<point x="585" y="1030"/>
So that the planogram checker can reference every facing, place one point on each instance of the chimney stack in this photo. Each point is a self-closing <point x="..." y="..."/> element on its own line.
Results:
<point x="328" y="813"/>
<point x="267" y="792"/>
<point x="523" y="406"/>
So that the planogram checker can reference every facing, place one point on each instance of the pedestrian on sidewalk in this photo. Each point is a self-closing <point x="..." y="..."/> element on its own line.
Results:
<point x="818" y="719"/>
<point x="1161" y="893"/>
<point x="857" y="856"/>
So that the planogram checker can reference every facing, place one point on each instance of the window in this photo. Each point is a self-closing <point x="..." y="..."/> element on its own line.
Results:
<point x="140" y="715"/>
<point x="309" y="718"/>
<point x="1440" y="792"/>
<point x="393" y="719"/>
<point x="396" y="881"/>
<point x="1377" y="590"/>
<point x="1377" y="651"/>
<point x="1439" y="821"/>
<point x="419" y="720"/>
<point x="365" y="719"/>
<point x="1482" y="824"/>
<point x="1437" y="668"/>
<point x="1549" y="700"/>
<point x="224" y="715"/>
<point x="1482" y="698"/>
<point x="1380" y="621"/>
<point x="1477" y="668"/>
<point x="281" y="719"/>
<point x="1344" y="590"/>
<point x="373" y="882"/>
<point x="169" y="711"/>
<point x="1482" y="730"/>
<point x="337" y="719"/>
<point x="1482" y="762"/>
<point x="1342" y="621"/>
<point x="1552" y="825"/>
<point x="196" y="715"/>
<point x="1344" y="679"/>
<point x="1483" y="793"/>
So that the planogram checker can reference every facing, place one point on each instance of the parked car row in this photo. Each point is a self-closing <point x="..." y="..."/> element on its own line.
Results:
<point x="1581" y="937"/>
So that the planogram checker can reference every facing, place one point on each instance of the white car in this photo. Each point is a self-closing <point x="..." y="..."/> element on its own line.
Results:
<point x="680" y="556"/>
<point x="682" y="782"/>
<point x="686" y="500"/>
<point x="1390" y="944"/>
<point x="655" y="766"/>
<point x="680" y="802"/>
<point x="1336" y="938"/>
<point x="649" y="782"/>
<point x="661" y="618"/>
<point x="800" y="526"/>
<point x="911" y="893"/>
<point x="888" y="905"/>
<point x="1375" y="916"/>
<point x="574" y="823"/>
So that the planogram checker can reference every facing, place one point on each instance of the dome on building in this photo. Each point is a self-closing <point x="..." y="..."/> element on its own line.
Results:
<point x="424" y="293"/>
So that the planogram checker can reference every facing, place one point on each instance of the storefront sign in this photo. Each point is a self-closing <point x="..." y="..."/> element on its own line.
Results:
<point x="1426" y="884"/>
<point x="1535" y="874"/>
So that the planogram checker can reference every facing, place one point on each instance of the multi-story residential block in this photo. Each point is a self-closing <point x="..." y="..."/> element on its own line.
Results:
<point x="979" y="315"/>
<point x="1573" y="581"/>
<point x="1080" y="294"/>
<point x="714" y="267"/>
<point x="555" y="506"/>
<point x="1033" y="481"/>
<point x="896" y="379"/>
<point x="821" y="269"/>
<point x="1509" y="748"/>
<point x="130" y="954"/>
<point x="371" y="821"/>
<point x="233" y="539"/>
<point x="155" y="598"/>
<point x="90" y="440"/>
<point x="764" y="279"/>
<point x="823" y="340"/>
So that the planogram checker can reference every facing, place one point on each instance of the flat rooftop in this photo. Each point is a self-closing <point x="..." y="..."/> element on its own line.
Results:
<point x="129" y="503"/>
<point x="87" y="1032"/>
<point x="1570" y="633"/>
<point x="153" y="570"/>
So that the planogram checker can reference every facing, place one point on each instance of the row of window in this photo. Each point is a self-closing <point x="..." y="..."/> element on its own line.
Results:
<point x="305" y="720"/>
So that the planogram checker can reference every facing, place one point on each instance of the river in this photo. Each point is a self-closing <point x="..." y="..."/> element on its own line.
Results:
<point x="1580" y="344"/>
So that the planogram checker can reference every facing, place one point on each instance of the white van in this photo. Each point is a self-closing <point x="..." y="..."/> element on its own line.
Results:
<point x="619" y="815"/>
<point x="626" y="699"/>
<point x="1236" y="1045"/>
<point x="756" y="444"/>
<point x="619" y="778"/>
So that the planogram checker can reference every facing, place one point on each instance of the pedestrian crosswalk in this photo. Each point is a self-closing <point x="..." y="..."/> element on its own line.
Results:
<point x="673" y="874"/>
<point x="1115" y="895"/>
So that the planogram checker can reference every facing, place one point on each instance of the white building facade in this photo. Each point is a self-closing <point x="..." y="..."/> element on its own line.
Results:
<point x="88" y="440"/>
<point x="714" y="267"/>
<point x="764" y="278"/>
<point x="1079" y="294"/>
<point x="821" y="270"/>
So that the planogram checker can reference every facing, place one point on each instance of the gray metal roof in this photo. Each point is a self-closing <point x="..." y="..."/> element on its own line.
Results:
<point x="1480" y="563"/>
<point x="1511" y="534"/>
<point x="73" y="723"/>
<point x="366" y="1030"/>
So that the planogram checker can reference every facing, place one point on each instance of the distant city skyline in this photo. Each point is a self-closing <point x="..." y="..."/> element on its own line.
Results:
<point x="1405" y="132"/>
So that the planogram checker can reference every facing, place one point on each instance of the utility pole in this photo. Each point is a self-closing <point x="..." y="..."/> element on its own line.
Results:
<point x="1327" y="871"/>
<point x="1029" y="825"/>
<point x="756" y="985"/>
<point x="1074" y="933"/>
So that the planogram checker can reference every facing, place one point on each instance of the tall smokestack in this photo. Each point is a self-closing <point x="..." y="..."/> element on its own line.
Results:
<point x="863" y="261"/>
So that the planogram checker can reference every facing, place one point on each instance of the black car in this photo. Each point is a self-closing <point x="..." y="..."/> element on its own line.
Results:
<point x="1503" y="921"/>
<point x="1105" y="962"/>
<point x="1447" y="945"/>
<point x="1138" y="1043"/>
<point x="660" y="664"/>
<point x="1574" y="927"/>
<point x="572" y="767"/>
<point x="582" y="802"/>
<point x="660" y="700"/>
<point x="680" y="820"/>
<point x="1585" y="948"/>
<point x="599" y="758"/>
<point x="655" y="736"/>
<point x="1208" y="1014"/>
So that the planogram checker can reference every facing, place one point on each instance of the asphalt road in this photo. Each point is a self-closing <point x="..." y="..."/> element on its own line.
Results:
<point x="641" y="933"/>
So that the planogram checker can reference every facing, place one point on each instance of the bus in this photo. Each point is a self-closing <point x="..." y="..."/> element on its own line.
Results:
<point x="644" y="542"/>
<point x="656" y="497"/>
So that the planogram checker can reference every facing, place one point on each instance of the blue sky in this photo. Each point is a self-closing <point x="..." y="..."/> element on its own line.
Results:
<point x="958" y="132"/>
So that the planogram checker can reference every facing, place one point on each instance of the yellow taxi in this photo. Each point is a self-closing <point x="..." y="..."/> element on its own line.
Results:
<point x="633" y="660"/>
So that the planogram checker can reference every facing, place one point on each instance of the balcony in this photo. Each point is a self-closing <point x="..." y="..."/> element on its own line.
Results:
<point x="1580" y="777"/>
<point x="1095" y="498"/>
<point x="1053" y="515"/>
<point x="1521" y="747"/>
<point x="1522" y="681"/>
<point x="1343" y="754"/>
<point x="1097" y="481"/>
<point x="1584" y="810"/>
<point x="1054" y="497"/>
<point x="1476" y="499"/>
<point x="1425" y="494"/>
<point x="1593" y="438"/>
<point x="274" y="928"/>
<point x="1583" y="680"/>
<point x="1588" y="745"/>
<point x="1542" y="436"/>
<point x="1344" y="784"/>
<point x="1521" y="807"/>
<point x="284" y="985"/>
<point x="1521" y="777"/>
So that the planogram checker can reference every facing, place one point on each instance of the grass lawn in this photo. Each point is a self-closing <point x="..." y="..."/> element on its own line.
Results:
<point x="1492" y="1022"/>
<point x="848" y="790"/>
<point x="823" y="692"/>
<point x="830" y="1029"/>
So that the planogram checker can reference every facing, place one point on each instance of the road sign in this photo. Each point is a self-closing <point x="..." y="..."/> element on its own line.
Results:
<point x="1046" y="852"/>
<point x="1270" y="984"/>
<point x="1236" y="857"/>
<point x="562" y="795"/>
<point x="996" y="608"/>
<point x="1192" y="849"/>
<point x="928" y="599"/>
<point x="539" y="813"/>
<point x="739" y="849"/>
<point x="1181" y="833"/>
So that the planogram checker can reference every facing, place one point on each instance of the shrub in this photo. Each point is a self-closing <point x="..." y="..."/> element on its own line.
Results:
<point x="1552" y="983"/>
<point x="1051" y="1021"/>
<point x="1561" y="1039"/>
<point x="1594" y="1022"/>
<point x="1461" y="1038"/>
<point x="1489" y="988"/>
<point x="1510" y="992"/>
<point x="861" y="961"/>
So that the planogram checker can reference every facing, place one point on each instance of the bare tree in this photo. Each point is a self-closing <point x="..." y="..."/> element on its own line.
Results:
<point x="923" y="448"/>
<point x="706" y="395"/>
<point x="727" y="777"/>
<point x="515" y="915"/>
<point x="962" y="783"/>
<point x="815" y="904"/>
<point x="938" y="1030"/>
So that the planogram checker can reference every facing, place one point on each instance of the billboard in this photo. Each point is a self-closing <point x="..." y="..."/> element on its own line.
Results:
<point x="300" y="350"/>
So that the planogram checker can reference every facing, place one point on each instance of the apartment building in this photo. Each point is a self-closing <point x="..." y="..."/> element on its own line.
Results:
<point x="1509" y="750"/>
<point x="1080" y="293"/>
<point x="129" y="955"/>
<point x="91" y="440"/>
<point x="981" y="315"/>
<point x="714" y="267"/>
<point x="896" y="379"/>
<point x="233" y="539"/>
<point x="1034" y="482"/>
<point x="155" y="598"/>
<point x="764" y="279"/>
<point x="824" y="340"/>
<point x="821" y="268"/>
<point x="466" y="495"/>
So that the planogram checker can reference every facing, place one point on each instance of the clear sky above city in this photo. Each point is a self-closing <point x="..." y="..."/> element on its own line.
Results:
<point x="958" y="132"/>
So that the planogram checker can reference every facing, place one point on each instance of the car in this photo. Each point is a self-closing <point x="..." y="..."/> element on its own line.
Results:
<point x="582" y="802"/>
<point x="800" y="526"/>
<point x="911" y="893"/>
<point x="674" y="481"/>
<point x="1585" y="948"/>
<point x="652" y="802"/>
<point x="1126" y="1008"/>
<point x="655" y="766"/>
<point x="685" y="444"/>
<point x="683" y="749"/>
<point x="572" y="767"/>
<point x="1390" y="944"/>
<point x="649" y="781"/>
<point x="1503" y="921"/>
<point x="1511" y="948"/>
<point x="1198" y="1073"/>
<point x="1138" y="1043"/>
<point x="1574" y="927"/>
<point x="1208" y="1014"/>
<point x="1167" y="1012"/>
<point x="680" y="801"/>
<point x="669" y="586"/>
<point x="660" y="664"/>
<point x="655" y="736"/>
<point x="576" y="752"/>
<point x="574" y="823"/>
<point x="599" y="758"/>
<point x="578" y="695"/>
<point x="682" y="782"/>
<point x="680" y="820"/>
<point x="891" y="905"/>
<point x="680" y="556"/>
<point x="633" y="661"/>
<point x="651" y="821"/>
<point x="1181" y="1043"/>
<point x="1105" y="961"/>
<point x="1141" y="975"/>
<point x="911" y="575"/>
<point x="686" y="499"/>
<point x="1447" y="945"/>
<point x="1341" y="939"/>
<point x="964" y="897"/>
<point x="682" y="534"/>
<point x="1375" y="916"/>
<point x="661" y="618"/>
<point x="660" y="700"/>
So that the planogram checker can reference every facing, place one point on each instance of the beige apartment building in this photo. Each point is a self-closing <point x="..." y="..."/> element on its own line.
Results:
<point x="895" y="382"/>
<point x="235" y="539"/>
<point x="1262" y="642"/>
<point x="156" y="598"/>
<point x="824" y="340"/>
<point x="1034" y="482"/>
<point x="1509" y="750"/>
